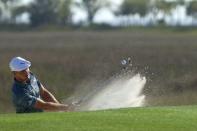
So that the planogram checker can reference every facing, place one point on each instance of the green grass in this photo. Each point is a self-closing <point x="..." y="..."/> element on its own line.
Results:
<point x="180" y="118"/>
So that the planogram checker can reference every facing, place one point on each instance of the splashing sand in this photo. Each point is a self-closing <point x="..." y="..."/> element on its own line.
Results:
<point x="120" y="92"/>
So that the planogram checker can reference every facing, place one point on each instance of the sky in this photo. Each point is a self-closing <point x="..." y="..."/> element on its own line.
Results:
<point x="177" y="15"/>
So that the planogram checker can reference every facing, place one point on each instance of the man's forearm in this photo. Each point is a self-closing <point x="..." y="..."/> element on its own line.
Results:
<point x="48" y="97"/>
<point x="50" y="106"/>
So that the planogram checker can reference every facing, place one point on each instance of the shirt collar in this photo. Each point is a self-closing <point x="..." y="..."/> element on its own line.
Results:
<point x="23" y="84"/>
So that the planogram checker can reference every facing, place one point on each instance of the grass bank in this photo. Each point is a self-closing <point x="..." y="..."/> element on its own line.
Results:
<point x="180" y="118"/>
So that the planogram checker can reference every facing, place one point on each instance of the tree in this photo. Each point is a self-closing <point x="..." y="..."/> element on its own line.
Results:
<point x="163" y="5"/>
<point x="156" y="6"/>
<point x="134" y="6"/>
<point x="91" y="7"/>
<point x="64" y="13"/>
<point x="19" y="10"/>
<point x="43" y="12"/>
<point x="6" y="8"/>
<point x="192" y="8"/>
<point x="166" y="6"/>
<point x="46" y="12"/>
<point x="180" y="2"/>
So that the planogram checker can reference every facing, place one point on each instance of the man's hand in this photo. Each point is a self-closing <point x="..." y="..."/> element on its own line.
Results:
<point x="71" y="107"/>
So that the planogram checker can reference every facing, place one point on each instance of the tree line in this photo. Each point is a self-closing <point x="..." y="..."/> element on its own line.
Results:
<point x="59" y="12"/>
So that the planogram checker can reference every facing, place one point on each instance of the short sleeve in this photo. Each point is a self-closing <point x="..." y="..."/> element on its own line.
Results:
<point x="28" y="100"/>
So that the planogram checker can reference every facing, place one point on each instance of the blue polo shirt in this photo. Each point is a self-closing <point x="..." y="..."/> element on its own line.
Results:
<point x="25" y="95"/>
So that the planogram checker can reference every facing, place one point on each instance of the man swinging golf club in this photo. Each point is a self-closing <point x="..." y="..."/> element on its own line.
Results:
<point x="29" y="95"/>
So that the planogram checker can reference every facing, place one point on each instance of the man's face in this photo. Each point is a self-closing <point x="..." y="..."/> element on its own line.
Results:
<point x="22" y="75"/>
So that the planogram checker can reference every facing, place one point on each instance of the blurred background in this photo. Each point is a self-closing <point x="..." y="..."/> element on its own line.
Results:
<point x="79" y="44"/>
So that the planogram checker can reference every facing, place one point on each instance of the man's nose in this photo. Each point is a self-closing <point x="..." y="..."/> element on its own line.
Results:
<point x="27" y="70"/>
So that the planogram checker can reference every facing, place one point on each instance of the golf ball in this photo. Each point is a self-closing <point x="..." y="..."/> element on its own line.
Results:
<point x="123" y="62"/>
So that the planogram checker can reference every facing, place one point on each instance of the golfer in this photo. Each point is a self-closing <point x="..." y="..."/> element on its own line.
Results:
<point x="29" y="95"/>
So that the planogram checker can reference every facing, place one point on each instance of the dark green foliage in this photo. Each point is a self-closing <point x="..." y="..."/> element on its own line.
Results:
<point x="132" y="7"/>
<point x="19" y="10"/>
<point x="63" y="13"/>
<point x="91" y="7"/>
<point x="46" y="12"/>
<point x="192" y="8"/>
<point x="43" y="12"/>
<point x="165" y="6"/>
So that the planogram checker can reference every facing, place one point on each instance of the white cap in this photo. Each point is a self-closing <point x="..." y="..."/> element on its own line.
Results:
<point x="19" y="64"/>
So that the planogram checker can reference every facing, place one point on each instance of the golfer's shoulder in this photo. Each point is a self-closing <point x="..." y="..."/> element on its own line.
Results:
<point x="18" y="90"/>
